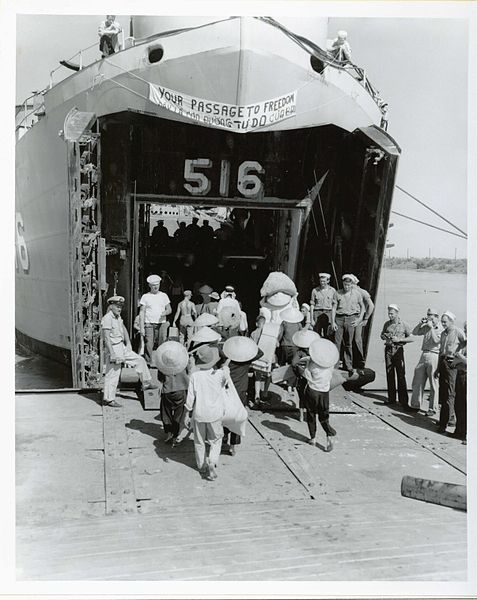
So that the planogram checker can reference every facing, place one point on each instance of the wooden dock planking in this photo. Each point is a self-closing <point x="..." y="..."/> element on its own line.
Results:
<point x="119" y="485"/>
<point x="350" y="531"/>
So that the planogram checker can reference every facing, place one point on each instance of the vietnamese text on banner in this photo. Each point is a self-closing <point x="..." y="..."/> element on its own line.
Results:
<point x="226" y="116"/>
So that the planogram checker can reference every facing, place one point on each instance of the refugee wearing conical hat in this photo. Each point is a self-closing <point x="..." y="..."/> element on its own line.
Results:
<point x="186" y="314"/>
<point x="262" y="379"/>
<point x="452" y="341"/>
<point x="171" y="360"/>
<point x="346" y="314"/>
<point x="205" y="404"/>
<point x="321" y="304"/>
<point x="292" y="321"/>
<point x="155" y="306"/>
<point x="318" y="374"/>
<point x="118" y="351"/>
<point x="241" y="352"/>
<point x="302" y="340"/>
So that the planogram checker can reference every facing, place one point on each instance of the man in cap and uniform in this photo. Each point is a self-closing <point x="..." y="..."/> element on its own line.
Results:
<point x="155" y="306"/>
<point x="228" y="298"/>
<point x="358" y="350"/>
<point x="452" y="341"/>
<point x="321" y="304"/>
<point x="395" y="334"/>
<point x="430" y="328"/>
<point x="118" y="351"/>
<point x="346" y="314"/>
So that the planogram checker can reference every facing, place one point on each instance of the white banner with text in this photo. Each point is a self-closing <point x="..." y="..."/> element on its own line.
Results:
<point x="239" y="119"/>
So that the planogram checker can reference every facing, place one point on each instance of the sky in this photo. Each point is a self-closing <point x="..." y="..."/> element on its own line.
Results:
<point x="420" y="67"/>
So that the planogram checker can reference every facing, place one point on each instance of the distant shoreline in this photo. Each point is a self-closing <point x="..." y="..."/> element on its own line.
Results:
<point x="439" y="265"/>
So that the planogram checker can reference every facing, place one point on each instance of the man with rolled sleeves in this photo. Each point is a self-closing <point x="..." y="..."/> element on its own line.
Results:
<point x="430" y="328"/>
<point x="358" y="349"/>
<point x="346" y="314"/>
<point x="452" y="340"/>
<point x="118" y="351"/>
<point x="154" y="308"/>
<point x="321" y="304"/>
<point x="395" y="334"/>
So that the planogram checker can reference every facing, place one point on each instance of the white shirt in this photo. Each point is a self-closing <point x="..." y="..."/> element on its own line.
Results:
<point x="154" y="305"/>
<point x="206" y="395"/>
<point x="318" y="378"/>
<point x="115" y="326"/>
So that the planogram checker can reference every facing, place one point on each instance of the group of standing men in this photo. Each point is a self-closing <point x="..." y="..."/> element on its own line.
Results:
<point x="342" y="315"/>
<point x="443" y="364"/>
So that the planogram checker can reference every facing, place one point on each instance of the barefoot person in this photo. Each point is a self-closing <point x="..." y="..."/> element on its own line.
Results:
<point x="205" y="403"/>
<point x="186" y="314"/>
<point x="118" y="351"/>
<point x="318" y="373"/>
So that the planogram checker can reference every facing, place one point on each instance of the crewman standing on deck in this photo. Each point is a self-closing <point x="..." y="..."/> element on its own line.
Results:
<point x="395" y="334"/>
<point x="321" y="304"/>
<point x="358" y="349"/>
<point x="108" y="32"/>
<point x="155" y="306"/>
<point x="347" y="313"/>
<point x="118" y="351"/>
<point x="430" y="328"/>
<point x="452" y="340"/>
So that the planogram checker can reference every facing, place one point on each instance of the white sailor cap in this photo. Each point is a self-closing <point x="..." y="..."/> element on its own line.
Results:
<point x="348" y="276"/>
<point x="116" y="300"/>
<point x="327" y="275"/>
<point x="449" y="314"/>
<point x="393" y="306"/>
<point x="153" y="279"/>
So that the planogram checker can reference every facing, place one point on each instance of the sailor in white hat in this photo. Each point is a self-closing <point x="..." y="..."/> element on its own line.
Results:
<point x="118" y="351"/>
<point x="228" y="299"/>
<point x="430" y="328"/>
<point x="358" y="348"/>
<point x="321" y="303"/>
<point x="346" y="314"/>
<point x="452" y="341"/>
<point x="155" y="306"/>
<point x="395" y="334"/>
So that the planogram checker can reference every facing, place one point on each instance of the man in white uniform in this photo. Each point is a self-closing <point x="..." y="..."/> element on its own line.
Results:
<point x="118" y="351"/>
<point x="154" y="308"/>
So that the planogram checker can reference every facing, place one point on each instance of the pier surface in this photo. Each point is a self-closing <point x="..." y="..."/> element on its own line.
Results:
<point x="100" y="496"/>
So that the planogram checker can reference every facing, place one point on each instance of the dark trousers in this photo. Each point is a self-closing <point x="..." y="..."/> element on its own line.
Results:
<point x="358" y="348"/>
<point x="154" y="335"/>
<point x="234" y="437"/>
<point x="172" y="410"/>
<point x="345" y="333"/>
<point x="300" y="388"/>
<point x="322" y="320"/>
<point x="106" y="46"/>
<point x="447" y="380"/>
<point x="461" y="404"/>
<point x="318" y="403"/>
<point x="396" y="368"/>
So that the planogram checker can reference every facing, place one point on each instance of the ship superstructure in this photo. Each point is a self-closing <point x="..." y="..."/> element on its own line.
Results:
<point x="240" y="123"/>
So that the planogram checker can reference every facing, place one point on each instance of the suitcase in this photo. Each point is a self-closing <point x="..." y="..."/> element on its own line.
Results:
<point x="152" y="398"/>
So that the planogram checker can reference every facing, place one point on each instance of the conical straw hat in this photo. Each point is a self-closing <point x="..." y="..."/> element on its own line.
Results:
<point x="205" y="335"/>
<point x="205" y="319"/>
<point x="304" y="338"/>
<point x="324" y="353"/>
<point x="292" y="315"/>
<point x="240" y="349"/>
<point x="170" y="358"/>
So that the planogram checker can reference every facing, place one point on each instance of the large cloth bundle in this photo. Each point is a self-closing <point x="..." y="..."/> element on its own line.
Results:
<point x="235" y="417"/>
<point x="278" y="282"/>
